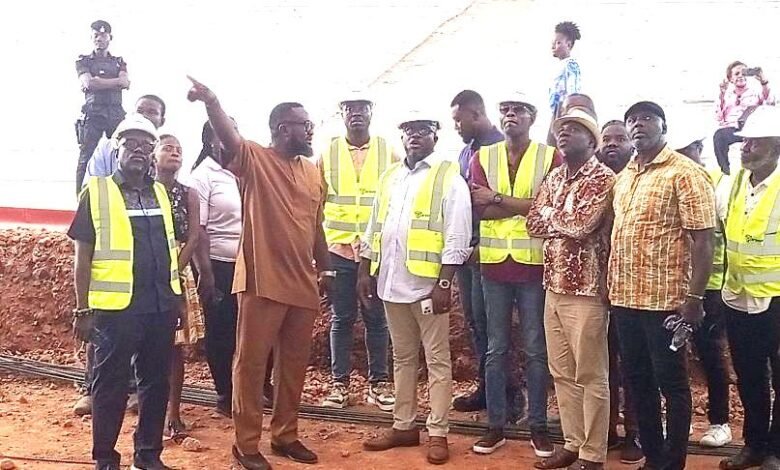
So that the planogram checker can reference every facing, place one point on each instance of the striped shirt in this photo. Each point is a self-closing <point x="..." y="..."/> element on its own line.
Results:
<point x="650" y="262"/>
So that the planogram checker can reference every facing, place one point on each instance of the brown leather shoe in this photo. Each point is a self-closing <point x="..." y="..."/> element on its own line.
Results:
<point x="438" y="452"/>
<point x="561" y="458"/>
<point x="393" y="438"/>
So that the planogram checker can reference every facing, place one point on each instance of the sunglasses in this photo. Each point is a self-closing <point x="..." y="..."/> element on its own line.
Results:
<point x="420" y="131"/>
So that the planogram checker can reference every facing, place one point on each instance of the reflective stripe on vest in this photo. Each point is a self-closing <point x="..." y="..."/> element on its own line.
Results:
<point x="350" y="198"/>
<point x="425" y="237"/>
<point x="500" y="239"/>
<point x="111" y="282"/>
<point x="716" y="279"/>
<point x="753" y="241"/>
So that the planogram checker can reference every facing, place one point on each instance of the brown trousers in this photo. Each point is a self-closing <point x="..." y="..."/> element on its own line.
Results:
<point x="264" y="325"/>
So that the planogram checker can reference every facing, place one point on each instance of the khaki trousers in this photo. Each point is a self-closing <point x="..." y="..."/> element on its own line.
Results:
<point x="408" y="327"/>
<point x="264" y="325"/>
<point x="576" y="332"/>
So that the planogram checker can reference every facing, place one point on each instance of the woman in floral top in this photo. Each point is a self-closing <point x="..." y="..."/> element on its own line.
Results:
<point x="186" y="215"/>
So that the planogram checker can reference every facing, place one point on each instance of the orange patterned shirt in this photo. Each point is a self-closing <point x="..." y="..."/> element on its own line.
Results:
<point x="655" y="206"/>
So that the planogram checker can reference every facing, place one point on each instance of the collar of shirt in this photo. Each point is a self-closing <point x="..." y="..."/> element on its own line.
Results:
<point x="763" y="185"/>
<point x="120" y="180"/>
<point x="365" y="146"/>
<point x="585" y="170"/>
<point x="663" y="156"/>
<point x="426" y="162"/>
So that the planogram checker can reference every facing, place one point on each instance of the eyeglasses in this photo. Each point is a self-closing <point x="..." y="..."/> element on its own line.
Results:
<point x="420" y="131"/>
<point x="308" y="126"/>
<point x="132" y="144"/>
<point x="171" y="148"/>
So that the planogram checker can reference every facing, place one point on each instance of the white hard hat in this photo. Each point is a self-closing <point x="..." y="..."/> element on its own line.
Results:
<point x="763" y="122"/>
<point x="683" y="138"/>
<point x="356" y="96"/>
<point x="516" y="97"/>
<point x="136" y="122"/>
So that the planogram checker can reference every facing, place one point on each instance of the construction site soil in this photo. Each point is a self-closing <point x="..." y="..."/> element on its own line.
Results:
<point x="36" y="299"/>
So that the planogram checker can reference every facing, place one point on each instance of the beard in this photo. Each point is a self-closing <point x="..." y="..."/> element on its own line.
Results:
<point x="301" y="147"/>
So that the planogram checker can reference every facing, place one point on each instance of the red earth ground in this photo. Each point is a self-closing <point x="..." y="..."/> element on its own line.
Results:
<point x="36" y="421"/>
<point x="36" y="297"/>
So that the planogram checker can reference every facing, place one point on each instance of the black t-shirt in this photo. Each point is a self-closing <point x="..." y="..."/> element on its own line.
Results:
<point x="151" y="259"/>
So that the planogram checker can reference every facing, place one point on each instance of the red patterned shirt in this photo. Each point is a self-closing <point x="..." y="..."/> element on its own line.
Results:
<point x="571" y="214"/>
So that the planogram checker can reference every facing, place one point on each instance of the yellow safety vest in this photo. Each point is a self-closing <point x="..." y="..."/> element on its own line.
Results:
<point x="719" y="254"/>
<point x="425" y="236"/>
<point x="500" y="239"/>
<point x="753" y="241"/>
<point x="111" y="283"/>
<point x="349" y="200"/>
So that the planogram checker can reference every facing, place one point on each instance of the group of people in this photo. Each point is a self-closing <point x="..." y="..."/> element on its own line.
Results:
<point x="596" y="239"/>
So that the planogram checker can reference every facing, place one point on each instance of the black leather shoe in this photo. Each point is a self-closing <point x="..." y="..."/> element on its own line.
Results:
<point x="296" y="452"/>
<point x="251" y="461"/>
<point x="746" y="458"/>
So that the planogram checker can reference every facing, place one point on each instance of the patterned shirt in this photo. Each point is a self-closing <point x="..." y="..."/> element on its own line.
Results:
<point x="178" y="196"/>
<point x="566" y="82"/>
<point x="650" y="262"/>
<point x="569" y="213"/>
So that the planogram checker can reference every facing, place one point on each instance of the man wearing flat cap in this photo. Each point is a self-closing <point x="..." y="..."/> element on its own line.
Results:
<point x="570" y="214"/>
<point x="417" y="236"/>
<point x="351" y="166"/>
<point x="661" y="258"/>
<point x="103" y="77"/>
<point x="505" y="178"/>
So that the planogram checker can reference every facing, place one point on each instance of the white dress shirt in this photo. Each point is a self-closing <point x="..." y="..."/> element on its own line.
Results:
<point x="394" y="281"/>
<point x="743" y="301"/>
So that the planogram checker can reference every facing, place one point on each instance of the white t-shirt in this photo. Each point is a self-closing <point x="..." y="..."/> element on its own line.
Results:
<point x="220" y="208"/>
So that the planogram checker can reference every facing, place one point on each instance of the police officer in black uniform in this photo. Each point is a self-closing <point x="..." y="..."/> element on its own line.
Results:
<point x="103" y="77"/>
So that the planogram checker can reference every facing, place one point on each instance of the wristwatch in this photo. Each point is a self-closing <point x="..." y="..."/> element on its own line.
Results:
<point x="498" y="198"/>
<point x="444" y="284"/>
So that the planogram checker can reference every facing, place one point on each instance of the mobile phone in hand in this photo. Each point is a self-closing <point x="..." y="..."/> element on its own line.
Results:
<point x="751" y="72"/>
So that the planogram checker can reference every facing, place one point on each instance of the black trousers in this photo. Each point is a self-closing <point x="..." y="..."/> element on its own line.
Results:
<point x="721" y="141"/>
<point x="754" y="341"/>
<point x="220" y="339"/>
<point x="708" y="340"/>
<point x="94" y="127"/>
<point x="147" y="340"/>
<point x="650" y="366"/>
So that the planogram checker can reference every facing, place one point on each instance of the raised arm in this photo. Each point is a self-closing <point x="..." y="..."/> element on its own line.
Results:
<point x="223" y="126"/>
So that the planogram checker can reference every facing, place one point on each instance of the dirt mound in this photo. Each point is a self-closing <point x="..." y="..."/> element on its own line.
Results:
<point x="36" y="290"/>
<point x="36" y="299"/>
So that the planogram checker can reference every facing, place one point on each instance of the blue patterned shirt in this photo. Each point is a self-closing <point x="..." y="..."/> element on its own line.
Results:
<point x="567" y="81"/>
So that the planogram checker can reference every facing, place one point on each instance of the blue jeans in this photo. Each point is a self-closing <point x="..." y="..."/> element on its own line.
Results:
<point x="343" y="297"/>
<point x="470" y="280"/>
<point x="500" y="300"/>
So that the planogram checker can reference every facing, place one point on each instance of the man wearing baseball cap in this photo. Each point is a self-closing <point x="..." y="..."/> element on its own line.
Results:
<point x="418" y="235"/>
<point x="569" y="214"/>
<point x="127" y="288"/>
<point x="660" y="262"/>
<point x="752" y="287"/>
<point x="351" y="166"/>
